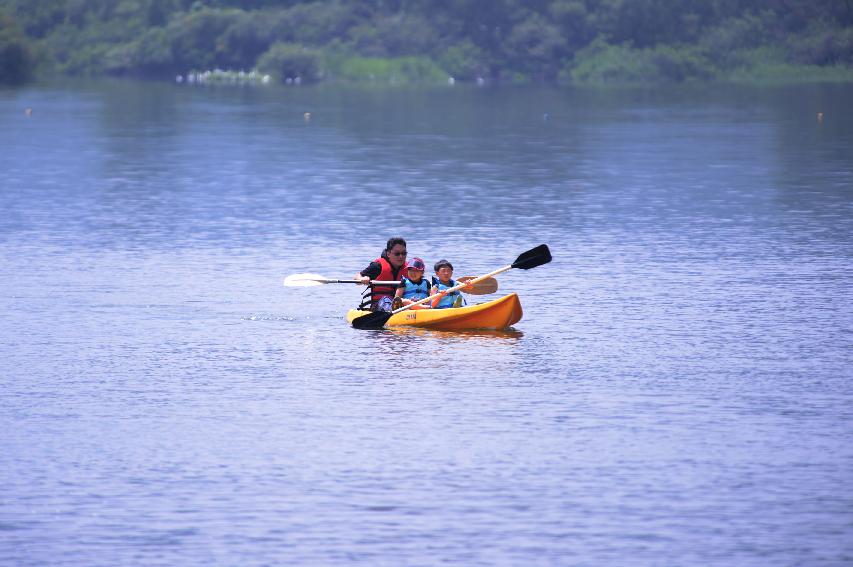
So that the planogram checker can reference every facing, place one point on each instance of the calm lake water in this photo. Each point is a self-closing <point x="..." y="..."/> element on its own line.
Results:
<point x="679" y="391"/>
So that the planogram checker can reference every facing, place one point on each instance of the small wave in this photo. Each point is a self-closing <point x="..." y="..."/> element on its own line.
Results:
<point x="268" y="318"/>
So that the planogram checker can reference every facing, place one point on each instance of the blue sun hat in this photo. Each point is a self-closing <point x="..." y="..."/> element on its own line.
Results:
<point x="417" y="264"/>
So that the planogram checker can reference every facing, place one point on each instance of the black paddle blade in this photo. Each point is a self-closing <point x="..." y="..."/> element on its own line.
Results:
<point x="533" y="257"/>
<point x="371" y="321"/>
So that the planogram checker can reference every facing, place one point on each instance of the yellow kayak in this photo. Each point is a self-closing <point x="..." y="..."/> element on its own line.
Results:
<point x="496" y="314"/>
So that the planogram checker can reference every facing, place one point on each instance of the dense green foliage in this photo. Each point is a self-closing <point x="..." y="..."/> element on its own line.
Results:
<point x="427" y="40"/>
<point x="16" y="58"/>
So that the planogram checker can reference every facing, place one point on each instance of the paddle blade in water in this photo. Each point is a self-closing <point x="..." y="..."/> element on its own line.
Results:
<point x="302" y="280"/>
<point x="533" y="257"/>
<point x="371" y="321"/>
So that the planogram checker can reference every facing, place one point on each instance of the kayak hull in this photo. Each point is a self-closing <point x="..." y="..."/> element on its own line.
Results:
<point x="497" y="314"/>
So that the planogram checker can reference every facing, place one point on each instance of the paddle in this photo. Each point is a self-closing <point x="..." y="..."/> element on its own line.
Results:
<point x="305" y="280"/>
<point x="527" y="260"/>
<point x="484" y="287"/>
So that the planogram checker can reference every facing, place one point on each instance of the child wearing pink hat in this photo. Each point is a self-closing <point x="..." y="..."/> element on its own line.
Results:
<point x="413" y="287"/>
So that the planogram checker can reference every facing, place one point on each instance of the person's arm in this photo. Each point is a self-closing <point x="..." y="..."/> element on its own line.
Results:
<point x="434" y="303"/>
<point x="371" y="272"/>
<point x="430" y="290"/>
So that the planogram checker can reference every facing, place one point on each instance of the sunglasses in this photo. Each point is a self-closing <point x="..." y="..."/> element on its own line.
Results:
<point x="403" y="253"/>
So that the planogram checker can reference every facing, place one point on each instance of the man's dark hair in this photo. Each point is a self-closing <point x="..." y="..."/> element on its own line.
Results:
<point x="392" y="242"/>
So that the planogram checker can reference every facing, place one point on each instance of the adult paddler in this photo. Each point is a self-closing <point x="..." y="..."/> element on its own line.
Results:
<point x="390" y="266"/>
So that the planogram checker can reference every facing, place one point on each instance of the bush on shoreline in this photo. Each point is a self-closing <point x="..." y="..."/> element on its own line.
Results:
<point x="17" y="60"/>
<point x="289" y="61"/>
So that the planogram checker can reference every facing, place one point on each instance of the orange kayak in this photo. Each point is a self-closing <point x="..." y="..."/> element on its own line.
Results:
<point x="496" y="314"/>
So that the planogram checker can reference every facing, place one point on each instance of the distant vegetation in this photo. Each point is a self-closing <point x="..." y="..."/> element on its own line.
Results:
<point x="16" y="52"/>
<point x="581" y="41"/>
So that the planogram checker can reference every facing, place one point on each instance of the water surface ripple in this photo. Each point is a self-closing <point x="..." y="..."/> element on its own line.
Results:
<point x="678" y="391"/>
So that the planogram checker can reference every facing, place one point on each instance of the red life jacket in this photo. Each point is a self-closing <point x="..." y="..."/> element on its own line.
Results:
<point x="387" y="274"/>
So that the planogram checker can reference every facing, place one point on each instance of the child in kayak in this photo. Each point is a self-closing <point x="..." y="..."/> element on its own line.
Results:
<point x="443" y="280"/>
<point x="413" y="287"/>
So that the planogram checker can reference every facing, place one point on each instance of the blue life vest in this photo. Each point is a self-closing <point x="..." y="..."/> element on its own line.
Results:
<point x="450" y="298"/>
<point x="415" y="291"/>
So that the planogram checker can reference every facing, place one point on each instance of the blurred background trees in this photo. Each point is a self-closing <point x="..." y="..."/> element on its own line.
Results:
<point x="498" y="40"/>
<point x="16" y="52"/>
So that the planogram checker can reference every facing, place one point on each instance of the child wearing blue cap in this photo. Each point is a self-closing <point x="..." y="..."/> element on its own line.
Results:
<point x="413" y="287"/>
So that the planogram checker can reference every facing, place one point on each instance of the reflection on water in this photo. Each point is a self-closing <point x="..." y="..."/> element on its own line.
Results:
<point x="472" y="334"/>
<point x="679" y="386"/>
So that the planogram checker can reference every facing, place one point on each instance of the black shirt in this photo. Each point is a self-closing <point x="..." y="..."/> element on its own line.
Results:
<point x="375" y="268"/>
<point x="372" y="271"/>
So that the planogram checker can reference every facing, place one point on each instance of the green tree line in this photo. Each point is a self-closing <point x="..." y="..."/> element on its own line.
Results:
<point x="493" y="40"/>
